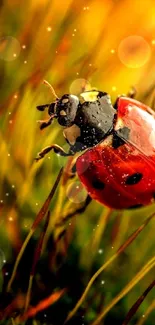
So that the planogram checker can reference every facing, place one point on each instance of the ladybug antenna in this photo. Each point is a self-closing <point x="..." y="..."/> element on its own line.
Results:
<point x="51" y="88"/>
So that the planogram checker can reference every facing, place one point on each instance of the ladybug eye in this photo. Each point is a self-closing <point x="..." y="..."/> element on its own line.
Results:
<point x="65" y="100"/>
<point x="63" y="113"/>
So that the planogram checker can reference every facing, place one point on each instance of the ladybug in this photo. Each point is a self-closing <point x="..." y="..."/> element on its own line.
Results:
<point x="116" y="146"/>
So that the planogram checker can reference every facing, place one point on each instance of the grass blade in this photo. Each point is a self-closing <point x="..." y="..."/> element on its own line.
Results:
<point x="36" y="258"/>
<point x="36" y="222"/>
<point x="136" y="305"/>
<point x="44" y="304"/>
<point x="148" y="311"/>
<point x="130" y="239"/>
<point x="128" y="287"/>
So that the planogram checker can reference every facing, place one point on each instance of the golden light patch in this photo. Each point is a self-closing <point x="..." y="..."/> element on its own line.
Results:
<point x="90" y="96"/>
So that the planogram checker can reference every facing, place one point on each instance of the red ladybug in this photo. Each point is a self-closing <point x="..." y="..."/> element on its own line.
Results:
<point x="117" y="146"/>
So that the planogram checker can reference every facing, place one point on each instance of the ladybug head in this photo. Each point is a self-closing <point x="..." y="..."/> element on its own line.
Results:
<point x="66" y="109"/>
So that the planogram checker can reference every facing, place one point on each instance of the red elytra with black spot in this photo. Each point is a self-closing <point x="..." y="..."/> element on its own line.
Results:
<point x="123" y="177"/>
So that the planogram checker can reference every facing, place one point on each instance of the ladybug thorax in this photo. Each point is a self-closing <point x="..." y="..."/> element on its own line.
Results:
<point x="93" y="122"/>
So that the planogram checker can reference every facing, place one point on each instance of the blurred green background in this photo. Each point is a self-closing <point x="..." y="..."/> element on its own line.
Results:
<point x="110" y="44"/>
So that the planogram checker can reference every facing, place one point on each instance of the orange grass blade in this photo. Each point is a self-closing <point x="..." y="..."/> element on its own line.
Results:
<point x="121" y="249"/>
<point x="36" y="222"/>
<point x="42" y="305"/>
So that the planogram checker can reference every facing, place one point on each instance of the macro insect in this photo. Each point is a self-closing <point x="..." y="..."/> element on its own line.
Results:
<point x="116" y="145"/>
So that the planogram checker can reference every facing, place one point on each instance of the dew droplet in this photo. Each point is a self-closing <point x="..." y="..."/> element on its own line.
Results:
<point x="76" y="193"/>
<point x="2" y="258"/>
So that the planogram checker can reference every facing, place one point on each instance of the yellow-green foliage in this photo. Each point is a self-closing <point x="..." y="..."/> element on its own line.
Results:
<point x="64" y="42"/>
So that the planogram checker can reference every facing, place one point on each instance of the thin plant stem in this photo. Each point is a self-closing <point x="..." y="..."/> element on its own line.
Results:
<point x="129" y="286"/>
<point x="36" y="222"/>
<point x="106" y="264"/>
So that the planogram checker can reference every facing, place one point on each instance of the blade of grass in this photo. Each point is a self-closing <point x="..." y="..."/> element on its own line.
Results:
<point x="121" y="249"/>
<point x="36" y="258"/>
<point x="12" y="321"/>
<point x="43" y="304"/>
<point x="36" y="222"/>
<point x="16" y="304"/>
<point x="136" y="305"/>
<point x="104" y="217"/>
<point x="147" y="267"/>
<point x="147" y="313"/>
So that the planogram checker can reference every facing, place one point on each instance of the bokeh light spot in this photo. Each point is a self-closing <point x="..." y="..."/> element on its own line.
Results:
<point x="9" y="48"/>
<point x="76" y="193"/>
<point x="134" y="51"/>
<point x="49" y="28"/>
<point x="2" y="259"/>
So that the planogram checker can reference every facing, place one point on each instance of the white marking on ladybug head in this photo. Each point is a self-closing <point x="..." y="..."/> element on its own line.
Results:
<point x="63" y="113"/>
<point x="65" y="100"/>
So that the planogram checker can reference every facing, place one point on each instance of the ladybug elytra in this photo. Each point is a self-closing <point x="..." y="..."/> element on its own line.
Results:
<point x="116" y="144"/>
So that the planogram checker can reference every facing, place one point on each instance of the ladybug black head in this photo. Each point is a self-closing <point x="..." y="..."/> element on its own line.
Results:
<point x="66" y="109"/>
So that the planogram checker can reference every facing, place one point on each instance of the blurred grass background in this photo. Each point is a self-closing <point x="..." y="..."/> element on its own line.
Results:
<point x="111" y="44"/>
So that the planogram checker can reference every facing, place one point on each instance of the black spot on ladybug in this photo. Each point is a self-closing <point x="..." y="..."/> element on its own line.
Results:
<point x="97" y="184"/>
<point x="136" y="206"/>
<point x="134" y="179"/>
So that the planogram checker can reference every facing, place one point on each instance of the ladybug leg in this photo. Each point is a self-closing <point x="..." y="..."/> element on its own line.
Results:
<point x="72" y="172"/>
<point x="42" y="107"/>
<point x="45" y="123"/>
<point x="74" y="212"/>
<point x="57" y="149"/>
